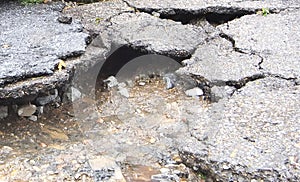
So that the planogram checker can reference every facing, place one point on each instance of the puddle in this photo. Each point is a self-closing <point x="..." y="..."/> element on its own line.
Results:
<point x="139" y="173"/>
<point x="139" y="132"/>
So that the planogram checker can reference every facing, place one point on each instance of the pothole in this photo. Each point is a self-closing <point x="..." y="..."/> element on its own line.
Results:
<point x="214" y="18"/>
<point x="214" y="15"/>
<point x="145" y="123"/>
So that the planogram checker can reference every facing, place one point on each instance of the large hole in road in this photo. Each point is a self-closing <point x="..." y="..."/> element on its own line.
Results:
<point x="214" y="15"/>
<point x="127" y="63"/>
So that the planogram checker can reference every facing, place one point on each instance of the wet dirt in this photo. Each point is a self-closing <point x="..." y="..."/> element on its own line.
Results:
<point x="139" y="132"/>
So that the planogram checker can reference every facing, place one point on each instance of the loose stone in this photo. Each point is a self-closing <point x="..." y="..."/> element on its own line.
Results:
<point x="27" y="110"/>
<point x="194" y="92"/>
<point x="3" y="112"/>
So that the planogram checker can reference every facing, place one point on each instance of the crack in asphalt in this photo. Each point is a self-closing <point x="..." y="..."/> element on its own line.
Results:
<point x="213" y="14"/>
<point x="242" y="82"/>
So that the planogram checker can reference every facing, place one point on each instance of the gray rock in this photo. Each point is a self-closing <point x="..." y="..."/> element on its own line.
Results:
<point x="3" y="112"/>
<point x="122" y="85"/>
<point x="65" y="19"/>
<point x="26" y="110"/>
<point x="105" y="168"/>
<point x="220" y="92"/>
<point x="169" y="83"/>
<point x="123" y="90"/>
<point x="111" y="81"/>
<point x="75" y="94"/>
<point x="40" y="110"/>
<point x="194" y="92"/>
<point x="47" y="99"/>
<point x="170" y="80"/>
<point x="33" y="118"/>
<point x="165" y="178"/>
<point x="6" y="150"/>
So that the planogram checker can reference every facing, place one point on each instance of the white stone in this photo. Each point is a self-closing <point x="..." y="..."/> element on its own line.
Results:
<point x="27" y="110"/>
<point x="76" y="94"/>
<point x="111" y="81"/>
<point x="124" y="92"/>
<point x="142" y="83"/>
<point x="194" y="92"/>
<point x="33" y="118"/>
<point x="40" y="109"/>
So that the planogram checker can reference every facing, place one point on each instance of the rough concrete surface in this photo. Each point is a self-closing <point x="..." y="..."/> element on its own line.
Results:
<point x="155" y="35"/>
<point x="252" y="135"/>
<point x="274" y="37"/>
<point x="33" y="41"/>
<point x="217" y="61"/>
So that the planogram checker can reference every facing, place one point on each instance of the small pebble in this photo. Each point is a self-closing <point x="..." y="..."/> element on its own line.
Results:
<point x="65" y="19"/>
<point x="194" y="92"/>
<point x="124" y="92"/>
<point x="142" y="83"/>
<point x="33" y="118"/>
<point x="27" y="110"/>
<point x="152" y="140"/>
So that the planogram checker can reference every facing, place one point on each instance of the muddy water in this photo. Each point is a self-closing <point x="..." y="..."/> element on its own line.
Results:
<point x="139" y="133"/>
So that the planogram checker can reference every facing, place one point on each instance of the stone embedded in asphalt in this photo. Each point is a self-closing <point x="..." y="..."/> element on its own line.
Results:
<point x="251" y="135"/>
<point x="26" y="110"/>
<point x="275" y="37"/>
<point x="64" y="19"/>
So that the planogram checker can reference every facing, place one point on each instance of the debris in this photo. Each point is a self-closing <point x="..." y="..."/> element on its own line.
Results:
<point x="194" y="92"/>
<point x="27" y="110"/>
<point x="111" y="81"/>
<point x="47" y="99"/>
<point x="3" y="112"/>
<point x="61" y="65"/>
<point x="64" y="19"/>
<point x="33" y="118"/>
